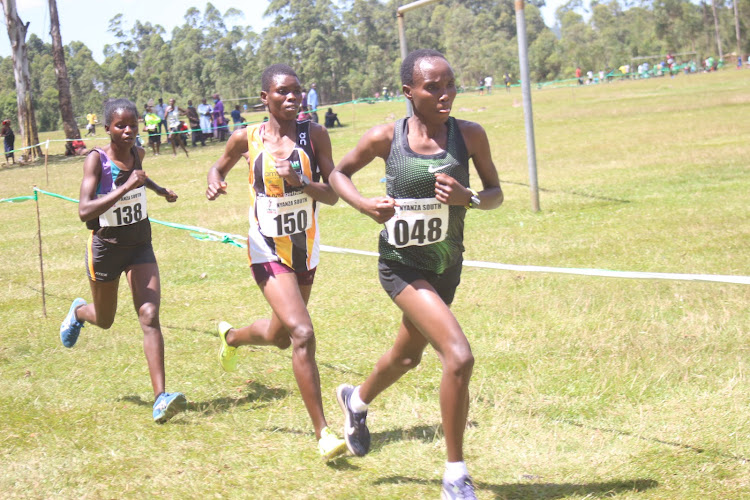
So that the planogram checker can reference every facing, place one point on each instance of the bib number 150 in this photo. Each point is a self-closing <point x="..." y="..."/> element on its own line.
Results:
<point x="291" y="222"/>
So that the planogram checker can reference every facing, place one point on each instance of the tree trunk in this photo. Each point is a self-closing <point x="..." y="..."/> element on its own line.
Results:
<point x="17" y="35"/>
<point x="716" y="28"/>
<point x="63" y="84"/>
<point x="737" y="29"/>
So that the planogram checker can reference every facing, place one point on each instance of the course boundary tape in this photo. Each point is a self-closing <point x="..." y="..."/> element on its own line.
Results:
<point x="233" y="239"/>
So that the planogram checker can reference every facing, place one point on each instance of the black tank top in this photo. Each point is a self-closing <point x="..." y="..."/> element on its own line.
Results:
<point x="412" y="175"/>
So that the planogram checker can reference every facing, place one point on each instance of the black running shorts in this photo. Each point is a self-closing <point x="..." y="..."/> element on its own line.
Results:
<point x="394" y="277"/>
<point x="106" y="262"/>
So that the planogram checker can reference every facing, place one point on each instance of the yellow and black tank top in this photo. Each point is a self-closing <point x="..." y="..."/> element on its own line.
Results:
<point x="424" y="233"/>
<point x="283" y="219"/>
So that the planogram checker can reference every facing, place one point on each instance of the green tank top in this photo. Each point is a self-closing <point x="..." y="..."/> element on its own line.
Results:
<point x="424" y="233"/>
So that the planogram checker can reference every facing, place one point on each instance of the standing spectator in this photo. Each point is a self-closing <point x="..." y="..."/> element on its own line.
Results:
<point x="151" y="126"/>
<point x="195" y="125"/>
<point x="236" y="118"/>
<point x="91" y="125"/>
<point x="506" y="80"/>
<point x="204" y="112"/>
<point x="173" y="122"/>
<point x="161" y="111"/>
<point x="578" y="75"/>
<point x="9" y="138"/>
<point x="312" y="102"/>
<point x="220" y="124"/>
<point x="488" y="84"/>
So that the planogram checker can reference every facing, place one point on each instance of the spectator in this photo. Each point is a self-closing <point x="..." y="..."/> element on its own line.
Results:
<point x="236" y="118"/>
<point x="195" y="125"/>
<point x="332" y="119"/>
<point x="204" y="112"/>
<point x="9" y="138"/>
<point x="303" y="114"/>
<point x="173" y="122"/>
<point x="220" y="124"/>
<point x="506" y="80"/>
<point x="91" y="125"/>
<point x="578" y="75"/>
<point x="151" y="126"/>
<point x="312" y="102"/>
<point x="488" y="84"/>
<point x="161" y="110"/>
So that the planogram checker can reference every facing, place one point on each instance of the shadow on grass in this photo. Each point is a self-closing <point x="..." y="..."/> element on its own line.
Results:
<point x="575" y="193"/>
<point x="255" y="393"/>
<point x="541" y="491"/>
<point x="675" y="444"/>
<point x="424" y="433"/>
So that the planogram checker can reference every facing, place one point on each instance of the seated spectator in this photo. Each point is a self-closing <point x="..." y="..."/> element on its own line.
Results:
<point x="76" y="147"/>
<point x="332" y="119"/>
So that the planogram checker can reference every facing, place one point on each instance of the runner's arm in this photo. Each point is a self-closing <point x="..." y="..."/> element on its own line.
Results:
<point x="235" y="148"/>
<point x="375" y="143"/>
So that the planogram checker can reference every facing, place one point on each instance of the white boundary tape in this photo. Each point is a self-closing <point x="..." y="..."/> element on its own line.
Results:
<point x="718" y="278"/>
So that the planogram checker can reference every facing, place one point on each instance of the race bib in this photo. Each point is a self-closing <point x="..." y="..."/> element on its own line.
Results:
<point x="417" y="221"/>
<point x="283" y="216"/>
<point x="129" y="209"/>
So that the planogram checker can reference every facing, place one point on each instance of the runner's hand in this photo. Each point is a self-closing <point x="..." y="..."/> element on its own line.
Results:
<point x="380" y="209"/>
<point x="286" y="172"/>
<point x="451" y="192"/>
<point x="136" y="179"/>
<point x="168" y="194"/>
<point x="215" y="189"/>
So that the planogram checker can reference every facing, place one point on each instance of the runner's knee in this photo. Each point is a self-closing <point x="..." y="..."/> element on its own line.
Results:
<point x="148" y="314"/>
<point x="459" y="362"/>
<point x="302" y="336"/>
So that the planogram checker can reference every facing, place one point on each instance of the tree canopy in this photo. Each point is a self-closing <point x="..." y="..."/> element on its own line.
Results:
<point x="350" y="48"/>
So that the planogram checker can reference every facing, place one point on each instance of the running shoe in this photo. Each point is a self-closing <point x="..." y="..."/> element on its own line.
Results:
<point x="168" y="405"/>
<point x="227" y="353"/>
<point x="330" y="446"/>
<point x="356" y="433"/>
<point x="71" y="327"/>
<point x="463" y="488"/>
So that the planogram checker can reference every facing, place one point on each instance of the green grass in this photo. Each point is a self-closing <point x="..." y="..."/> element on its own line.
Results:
<point x="583" y="387"/>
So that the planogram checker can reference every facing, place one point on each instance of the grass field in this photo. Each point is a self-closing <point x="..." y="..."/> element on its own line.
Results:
<point x="583" y="387"/>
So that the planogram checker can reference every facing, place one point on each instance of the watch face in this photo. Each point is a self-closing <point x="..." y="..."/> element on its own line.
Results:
<point x="475" y="201"/>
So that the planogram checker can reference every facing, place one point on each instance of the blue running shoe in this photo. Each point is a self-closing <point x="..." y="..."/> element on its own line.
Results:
<point x="356" y="433"/>
<point x="168" y="405"/>
<point x="71" y="327"/>
<point x="461" y="489"/>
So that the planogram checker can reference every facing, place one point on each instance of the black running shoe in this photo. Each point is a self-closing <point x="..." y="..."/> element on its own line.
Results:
<point x="356" y="433"/>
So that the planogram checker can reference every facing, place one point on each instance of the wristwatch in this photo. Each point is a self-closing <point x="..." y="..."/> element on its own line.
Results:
<point x="305" y="180"/>
<point x="474" y="202"/>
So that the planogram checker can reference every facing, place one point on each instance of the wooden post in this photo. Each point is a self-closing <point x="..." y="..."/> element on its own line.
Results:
<point x="41" y="259"/>
<point x="46" y="158"/>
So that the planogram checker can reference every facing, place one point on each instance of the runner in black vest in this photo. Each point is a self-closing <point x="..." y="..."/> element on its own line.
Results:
<point x="421" y="246"/>
<point x="113" y="204"/>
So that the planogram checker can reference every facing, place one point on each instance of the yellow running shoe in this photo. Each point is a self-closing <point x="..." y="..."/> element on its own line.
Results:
<point x="227" y="353"/>
<point x="330" y="446"/>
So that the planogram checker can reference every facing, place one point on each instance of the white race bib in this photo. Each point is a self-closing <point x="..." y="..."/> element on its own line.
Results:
<point x="417" y="221"/>
<point x="283" y="216"/>
<point x="129" y="209"/>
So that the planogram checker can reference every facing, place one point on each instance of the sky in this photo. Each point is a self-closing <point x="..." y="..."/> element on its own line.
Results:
<point x="87" y="20"/>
